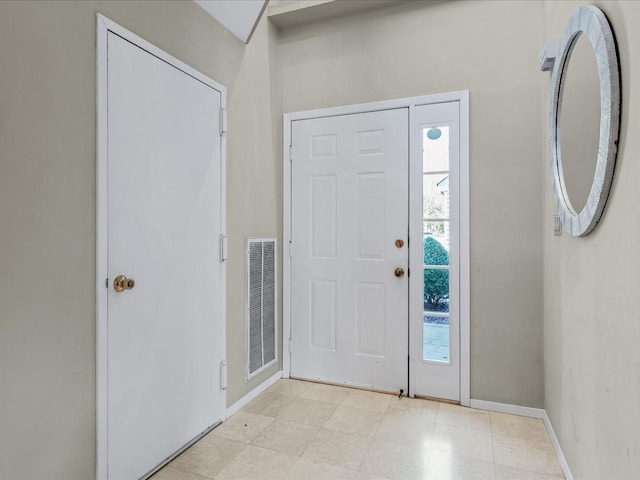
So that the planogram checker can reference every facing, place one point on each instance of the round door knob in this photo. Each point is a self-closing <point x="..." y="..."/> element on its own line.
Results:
<point x="399" y="272"/>
<point x="122" y="283"/>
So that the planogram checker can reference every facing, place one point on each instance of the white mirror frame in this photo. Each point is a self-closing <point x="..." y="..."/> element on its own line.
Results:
<point x="591" y="22"/>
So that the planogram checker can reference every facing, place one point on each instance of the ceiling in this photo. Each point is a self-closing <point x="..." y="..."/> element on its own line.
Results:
<point x="240" y="17"/>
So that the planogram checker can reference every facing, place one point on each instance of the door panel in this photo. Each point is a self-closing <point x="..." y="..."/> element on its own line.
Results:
<point x="349" y="205"/>
<point x="165" y="341"/>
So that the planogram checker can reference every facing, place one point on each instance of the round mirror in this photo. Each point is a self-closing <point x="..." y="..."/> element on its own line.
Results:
<point x="584" y="120"/>
<point x="579" y="123"/>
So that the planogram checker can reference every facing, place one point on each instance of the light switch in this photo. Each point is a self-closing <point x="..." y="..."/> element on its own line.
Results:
<point x="557" y="226"/>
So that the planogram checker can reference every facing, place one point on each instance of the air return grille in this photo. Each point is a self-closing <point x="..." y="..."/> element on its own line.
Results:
<point x="261" y="304"/>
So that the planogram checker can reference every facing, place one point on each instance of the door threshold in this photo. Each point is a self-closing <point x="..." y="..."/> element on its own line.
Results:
<point x="436" y="399"/>
<point x="348" y="385"/>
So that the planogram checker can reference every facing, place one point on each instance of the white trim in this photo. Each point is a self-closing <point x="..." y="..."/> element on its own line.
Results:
<point x="411" y="102"/>
<point x="464" y="248"/>
<point x="104" y="26"/>
<point x="101" y="251"/>
<point x="286" y="250"/>
<point x="556" y="445"/>
<point x="253" y="394"/>
<point x="507" y="408"/>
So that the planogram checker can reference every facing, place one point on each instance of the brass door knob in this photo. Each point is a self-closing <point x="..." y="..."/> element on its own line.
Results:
<point x="122" y="283"/>
<point x="399" y="272"/>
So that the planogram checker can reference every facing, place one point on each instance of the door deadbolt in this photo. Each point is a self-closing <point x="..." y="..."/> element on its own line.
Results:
<point x="399" y="272"/>
<point x="122" y="283"/>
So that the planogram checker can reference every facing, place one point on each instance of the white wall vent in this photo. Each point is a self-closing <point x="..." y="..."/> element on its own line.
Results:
<point x="261" y="304"/>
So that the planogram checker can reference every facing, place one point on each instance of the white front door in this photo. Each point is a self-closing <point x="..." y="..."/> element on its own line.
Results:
<point x="436" y="328"/>
<point x="166" y="334"/>
<point x="349" y="231"/>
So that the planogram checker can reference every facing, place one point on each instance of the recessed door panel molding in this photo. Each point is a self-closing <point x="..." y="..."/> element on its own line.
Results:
<point x="322" y="319"/>
<point x="160" y="209"/>
<point x="324" y="146"/>
<point x="371" y="198"/>
<point x="323" y="215"/>
<point x="371" y="319"/>
<point x="370" y="143"/>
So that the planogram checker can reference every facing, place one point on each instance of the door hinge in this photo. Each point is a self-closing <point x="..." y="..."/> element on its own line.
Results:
<point x="289" y="346"/>
<point x="223" y="375"/>
<point x="291" y="249"/>
<point x="290" y="153"/>
<point x="223" y="122"/>
<point x="223" y="248"/>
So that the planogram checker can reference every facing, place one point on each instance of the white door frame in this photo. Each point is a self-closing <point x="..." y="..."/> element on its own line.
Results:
<point x="415" y="231"/>
<point x="104" y="26"/>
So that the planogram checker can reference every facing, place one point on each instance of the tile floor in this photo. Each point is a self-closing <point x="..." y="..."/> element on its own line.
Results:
<point x="302" y="430"/>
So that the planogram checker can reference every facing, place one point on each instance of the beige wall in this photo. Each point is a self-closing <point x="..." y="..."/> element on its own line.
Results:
<point x="491" y="49"/>
<point x="591" y="314"/>
<point x="47" y="209"/>
<point x="254" y="190"/>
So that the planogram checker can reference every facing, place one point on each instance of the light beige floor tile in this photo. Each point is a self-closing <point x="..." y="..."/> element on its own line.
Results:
<point x="289" y="386"/>
<point x="337" y="448"/>
<point x="395" y="461"/>
<point x="307" y="470"/>
<point x="413" y="426"/>
<point x="209" y="455"/>
<point x="287" y="437"/>
<point x="258" y="404"/>
<point x="443" y="467"/>
<point x="355" y="420"/>
<point x="522" y="427"/>
<point x="376" y="402"/>
<point x="509" y="473"/>
<point x="465" y="442"/>
<point x="277" y="406"/>
<point x="172" y="473"/>
<point x="325" y="393"/>
<point x="243" y="427"/>
<point x="309" y="412"/>
<point x="258" y="463"/>
<point x="464" y="417"/>
<point x="526" y="455"/>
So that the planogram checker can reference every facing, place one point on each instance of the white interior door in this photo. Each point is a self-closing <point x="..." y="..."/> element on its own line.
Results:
<point x="349" y="229"/>
<point x="166" y="335"/>
<point x="436" y="328"/>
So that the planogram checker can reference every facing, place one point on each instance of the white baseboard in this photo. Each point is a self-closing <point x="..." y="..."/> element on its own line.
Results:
<point x="253" y="394"/>
<point x="533" y="413"/>
<point x="556" y="444"/>
<point x="507" y="408"/>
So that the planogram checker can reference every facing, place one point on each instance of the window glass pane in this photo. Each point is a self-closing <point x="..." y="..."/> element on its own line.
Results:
<point x="435" y="196"/>
<point x="434" y="252"/>
<point x="435" y="338"/>
<point x="436" y="290"/>
<point x="435" y="148"/>
<point x="439" y="231"/>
